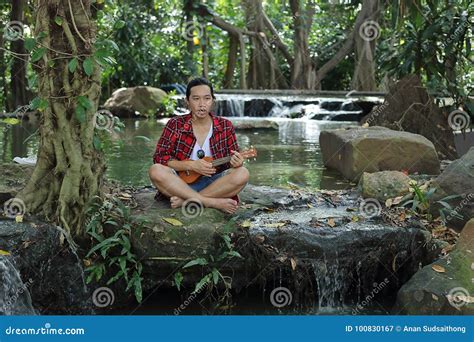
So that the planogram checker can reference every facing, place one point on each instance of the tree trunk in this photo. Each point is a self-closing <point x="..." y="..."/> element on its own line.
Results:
<point x="243" y="62"/>
<point x="231" y="61"/>
<point x="264" y="72"/>
<point x="18" y="70"/>
<point x="188" y="56"/>
<point x="69" y="169"/>
<point x="3" y="70"/>
<point x="205" y="56"/>
<point x="365" y="39"/>
<point x="302" y="68"/>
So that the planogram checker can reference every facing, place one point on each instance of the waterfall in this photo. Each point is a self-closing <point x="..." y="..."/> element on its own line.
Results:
<point x="230" y="107"/>
<point x="15" y="298"/>
<point x="331" y="282"/>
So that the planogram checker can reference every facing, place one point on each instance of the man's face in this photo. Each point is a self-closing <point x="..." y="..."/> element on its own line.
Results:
<point x="200" y="100"/>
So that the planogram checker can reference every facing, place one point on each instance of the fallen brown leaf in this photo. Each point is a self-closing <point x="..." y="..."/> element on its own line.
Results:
<point x="293" y="263"/>
<point x="438" y="268"/>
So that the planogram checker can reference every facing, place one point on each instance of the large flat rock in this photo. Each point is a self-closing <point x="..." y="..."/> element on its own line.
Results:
<point x="353" y="151"/>
<point x="286" y="229"/>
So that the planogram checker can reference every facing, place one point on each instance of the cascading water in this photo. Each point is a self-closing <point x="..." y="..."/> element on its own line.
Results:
<point x="331" y="282"/>
<point x="15" y="298"/>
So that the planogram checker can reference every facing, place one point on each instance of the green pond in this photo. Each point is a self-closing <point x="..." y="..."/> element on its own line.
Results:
<point x="288" y="156"/>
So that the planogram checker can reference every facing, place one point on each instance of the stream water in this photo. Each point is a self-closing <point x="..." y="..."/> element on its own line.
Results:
<point x="288" y="156"/>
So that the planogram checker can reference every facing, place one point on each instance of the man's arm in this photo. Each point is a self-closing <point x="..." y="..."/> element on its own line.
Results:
<point x="236" y="160"/>
<point x="165" y="146"/>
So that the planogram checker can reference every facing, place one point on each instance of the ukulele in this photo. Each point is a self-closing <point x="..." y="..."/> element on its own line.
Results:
<point x="192" y="176"/>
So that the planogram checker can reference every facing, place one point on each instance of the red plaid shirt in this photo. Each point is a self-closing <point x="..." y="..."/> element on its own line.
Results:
<point x="177" y="140"/>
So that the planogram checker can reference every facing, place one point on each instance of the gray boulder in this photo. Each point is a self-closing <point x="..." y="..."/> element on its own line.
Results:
<point x="127" y="102"/>
<point x="384" y="184"/>
<point x="456" y="179"/>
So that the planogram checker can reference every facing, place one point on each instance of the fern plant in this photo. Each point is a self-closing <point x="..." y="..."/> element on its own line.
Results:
<point x="113" y="252"/>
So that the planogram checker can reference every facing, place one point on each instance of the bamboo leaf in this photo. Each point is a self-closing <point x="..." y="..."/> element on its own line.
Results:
<point x="202" y="283"/>
<point x="215" y="276"/>
<point x="198" y="261"/>
<point x="178" y="279"/>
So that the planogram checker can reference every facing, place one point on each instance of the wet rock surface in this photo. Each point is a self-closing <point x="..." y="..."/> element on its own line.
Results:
<point x="323" y="232"/>
<point x="51" y="271"/>
<point x="444" y="287"/>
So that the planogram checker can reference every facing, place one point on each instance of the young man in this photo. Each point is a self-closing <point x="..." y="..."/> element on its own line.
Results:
<point x="193" y="136"/>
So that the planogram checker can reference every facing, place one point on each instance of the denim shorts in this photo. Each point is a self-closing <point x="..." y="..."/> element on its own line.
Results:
<point x="205" y="181"/>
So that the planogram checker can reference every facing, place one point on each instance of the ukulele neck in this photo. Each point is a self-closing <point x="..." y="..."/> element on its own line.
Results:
<point x="220" y="161"/>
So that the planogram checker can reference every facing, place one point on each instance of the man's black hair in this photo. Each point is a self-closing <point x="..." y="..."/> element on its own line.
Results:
<point x="197" y="82"/>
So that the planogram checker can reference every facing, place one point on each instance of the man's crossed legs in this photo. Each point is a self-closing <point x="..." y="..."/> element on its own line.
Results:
<point x="216" y="195"/>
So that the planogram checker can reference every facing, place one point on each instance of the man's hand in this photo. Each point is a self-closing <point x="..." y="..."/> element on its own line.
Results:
<point x="236" y="160"/>
<point x="203" y="167"/>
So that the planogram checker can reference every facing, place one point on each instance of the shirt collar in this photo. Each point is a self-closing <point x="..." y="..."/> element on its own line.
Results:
<point x="188" y="123"/>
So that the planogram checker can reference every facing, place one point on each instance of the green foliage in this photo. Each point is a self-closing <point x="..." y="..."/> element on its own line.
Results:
<point x="434" y="41"/>
<point x="212" y="264"/>
<point x="110" y="225"/>
<point x="422" y="201"/>
<point x="168" y="104"/>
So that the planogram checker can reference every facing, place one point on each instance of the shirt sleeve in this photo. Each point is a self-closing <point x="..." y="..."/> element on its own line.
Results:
<point x="232" y="139"/>
<point x="232" y="144"/>
<point x="165" y="146"/>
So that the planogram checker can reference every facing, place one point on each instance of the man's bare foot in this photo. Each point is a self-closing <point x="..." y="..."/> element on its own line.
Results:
<point x="176" y="201"/>
<point x="226" y="205"/>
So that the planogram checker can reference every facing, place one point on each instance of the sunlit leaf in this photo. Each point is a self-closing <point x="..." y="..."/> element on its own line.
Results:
<point x="172" y="221"/>
<point x="11" y="121"/>
<point x="58" y="20"/>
